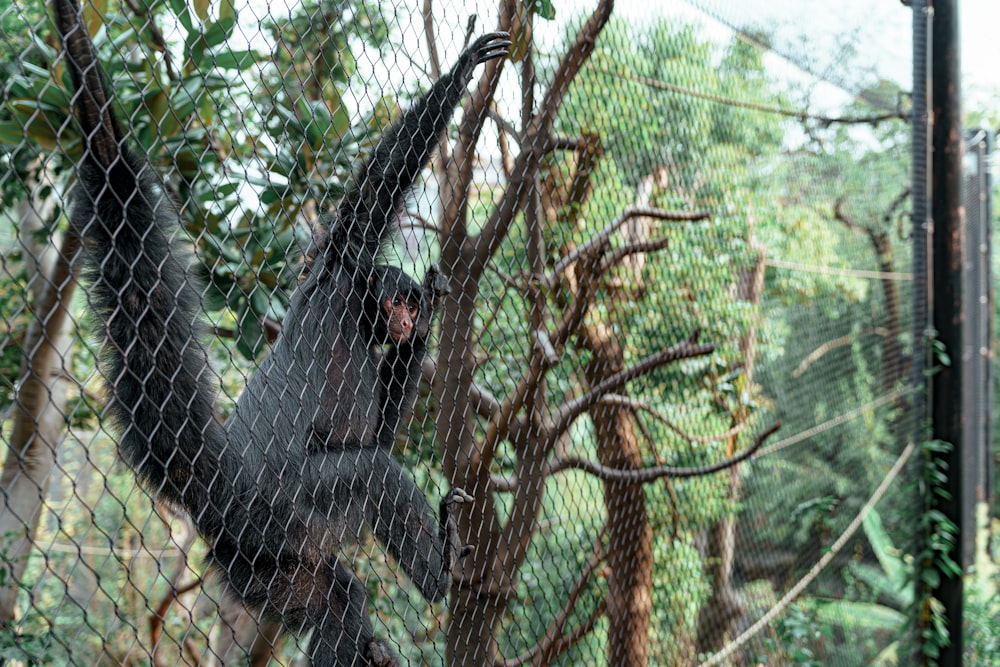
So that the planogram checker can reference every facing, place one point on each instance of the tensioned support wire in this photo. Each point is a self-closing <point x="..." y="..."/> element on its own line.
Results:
<point x="796" y="590"/>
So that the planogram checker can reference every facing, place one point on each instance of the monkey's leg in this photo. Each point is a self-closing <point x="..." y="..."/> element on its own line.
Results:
<point x="346" y="488"/>
<point x="425" y="545"/>
<point x="343" y="634"/>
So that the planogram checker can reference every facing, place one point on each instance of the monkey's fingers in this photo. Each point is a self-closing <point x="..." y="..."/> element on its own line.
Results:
<point x="455" y="497"/>
<point x="458" y="495"/>
<point x="490" y="46"/>
<point x="465" y="551"/>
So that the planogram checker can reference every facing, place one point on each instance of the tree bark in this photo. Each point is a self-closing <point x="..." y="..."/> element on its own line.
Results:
<point x="630" y="536"/>
<point x="39" y="418"/>
<point x="487" y="580"/>
<point x="243" y="638"/>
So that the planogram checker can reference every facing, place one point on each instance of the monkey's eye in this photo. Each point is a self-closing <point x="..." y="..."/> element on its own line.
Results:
<point x="397" y="301"/>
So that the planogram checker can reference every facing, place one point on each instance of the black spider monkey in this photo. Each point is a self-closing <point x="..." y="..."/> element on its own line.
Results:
<point x="303" y="464"/>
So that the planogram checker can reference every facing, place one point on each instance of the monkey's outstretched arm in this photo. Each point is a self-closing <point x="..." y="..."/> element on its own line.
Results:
<point x="404" y="149"/>
<point x="156" y="372"/>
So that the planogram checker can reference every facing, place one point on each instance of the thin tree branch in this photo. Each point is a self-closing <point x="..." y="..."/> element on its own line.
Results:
<point x="424" y="223"/>
<point x="894" y="206"/>
<point x="618" y="254"/>
<point x="431" y="34"/>
<point x="160" y="614"/>
<point x="158" y="41"/>
<point x="580" y="631"/>
<point x="545" y="648"/>
<point x="602" y="237"/>
<point x="636" y="404"/>
<point x="574" y="408"/>
<point x="499" y="428"/>
<point x="569" y="66"/>
<point x="828" y="346"/>
<point x="537" y="135"/>
<point x="646" y="475"/>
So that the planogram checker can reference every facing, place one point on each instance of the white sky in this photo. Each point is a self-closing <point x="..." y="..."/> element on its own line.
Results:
<point x="981" y="54"/>
<point x="881" y="31"/>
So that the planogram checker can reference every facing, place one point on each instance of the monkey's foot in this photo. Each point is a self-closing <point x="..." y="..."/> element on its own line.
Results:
<point x="454" y="552"/>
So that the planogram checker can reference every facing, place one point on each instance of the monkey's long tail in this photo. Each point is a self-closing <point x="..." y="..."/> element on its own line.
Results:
<point x="156" y="371"/>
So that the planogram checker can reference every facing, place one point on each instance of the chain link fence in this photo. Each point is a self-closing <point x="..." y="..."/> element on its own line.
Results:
<point x="670" y="364"/>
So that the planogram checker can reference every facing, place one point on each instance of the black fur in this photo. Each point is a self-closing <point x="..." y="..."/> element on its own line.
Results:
<point x="303" y="464"/>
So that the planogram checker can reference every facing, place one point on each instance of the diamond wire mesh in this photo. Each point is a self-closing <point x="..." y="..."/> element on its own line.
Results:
<point x="660" y="242"/>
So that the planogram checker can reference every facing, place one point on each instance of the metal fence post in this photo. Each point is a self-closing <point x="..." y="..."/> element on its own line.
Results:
<point x="948" y="310"/>
<point x="977" y="353"/>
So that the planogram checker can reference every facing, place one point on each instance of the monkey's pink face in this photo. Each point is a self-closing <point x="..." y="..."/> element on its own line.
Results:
<point x="400" y="315"/>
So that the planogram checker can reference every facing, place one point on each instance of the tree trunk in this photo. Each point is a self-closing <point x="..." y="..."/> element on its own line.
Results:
<point x="244" y="639"/>
<point x="39" y="419"/>
<point x="630" y="537"/>
<point x="723" y="610"/>
<point x="892" y="357"/>
<point x="479" y="594"/>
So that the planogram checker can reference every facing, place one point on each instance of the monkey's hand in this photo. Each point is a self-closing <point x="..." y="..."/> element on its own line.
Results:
<point x="379" y="655"/>
<point x="435" y="286"/>
<point x="487" y="47"/>
<point x="454" y="550"/>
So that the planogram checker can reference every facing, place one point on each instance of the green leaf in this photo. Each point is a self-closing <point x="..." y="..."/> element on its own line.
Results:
<point x="893" y="564"/>
<point x="544" y="9"/>
<point x="219" y="31"/>
<point x="250" y="339"/>
<point x="11" y="133"/>
<point x="238" y="60"/>
<point x="201" y="9"/>
<point x="180" y="8"/>
<point x="227" y="10"/>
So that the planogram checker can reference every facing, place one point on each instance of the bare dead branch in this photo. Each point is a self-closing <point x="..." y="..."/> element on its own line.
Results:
<point x="896" y="203"/>
<point x="547" y="647"/>
<point x="422" y="222"/>
<point x="431" y="34"/>
<point x="601" y="238"/>
<point x="499" y="427"/>
<point x="646" y="475"/>
<point x="636" y="404"/>
<point x="159" y="615"/>
<point x="569" y="66"/>
<point x="582" y="630"/>
<point x="545" y="347"/>
<point x="504" y="125"/>
<point x="570" y="410"/>
<point x="613" y="258"/>
<point x="483" y="401"/>
<point x="840" y="214"/>
<point x="504" y="484"/>
<point x="828" y="346"/>
<point x="537" y="135"/>
<point x="564" y="144"/>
